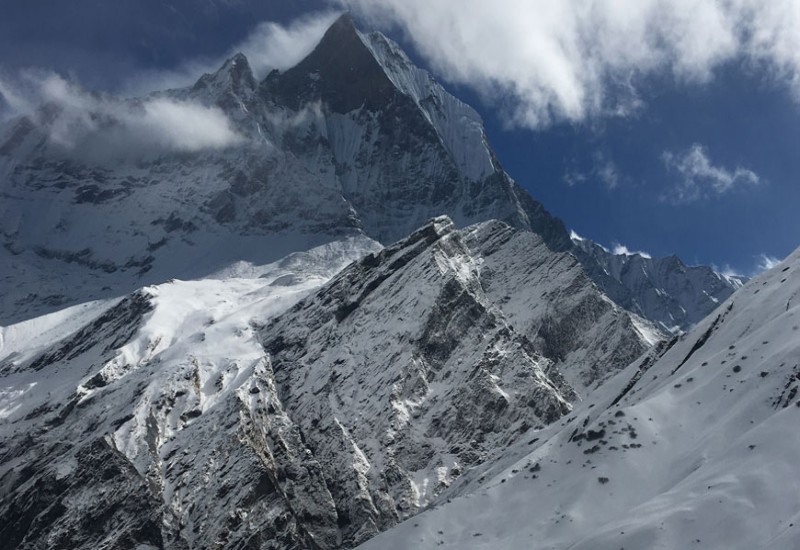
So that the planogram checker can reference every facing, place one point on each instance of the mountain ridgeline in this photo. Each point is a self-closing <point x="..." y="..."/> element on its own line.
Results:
<point x="354" y="140"/>
<point x="298" y="340"/>
<point x="294" y="415"/>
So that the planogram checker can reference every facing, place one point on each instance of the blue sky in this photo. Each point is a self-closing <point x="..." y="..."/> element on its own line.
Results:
<point x="664" y="126"/>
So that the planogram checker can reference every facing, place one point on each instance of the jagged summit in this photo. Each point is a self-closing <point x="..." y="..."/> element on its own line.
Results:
<point x="665" y="290"/>
<point x="234" y="79"/>
<point x="318" y="405"/>
<point x="341" y="70"/>
<point x="355" y="139"/>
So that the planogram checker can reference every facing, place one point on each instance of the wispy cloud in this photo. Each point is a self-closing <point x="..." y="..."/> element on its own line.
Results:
<point x="727" y="271"/>
<point x="269" y="46"/>
<point x="273" y="46"/>
<point x="761" y="262"/>
<point x="699" y="178"/>
<point x="607" y="172"/>
<point x="603" y="170"/>
<point x="13" y="101"/>
<point x="574" y="236"/>
<point x="574" y="177"/>
<point x="102" y="128"/>
<point x="765" y="262"/>
<point x="622" y="250"/>
<point x="578" y="59"/>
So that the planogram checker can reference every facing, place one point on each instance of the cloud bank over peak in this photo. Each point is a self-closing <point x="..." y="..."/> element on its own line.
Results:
<point x="274" y="46"/>
<point x="269" y="46"/>
<point x="103" y="128"/>
<point x="699" y="179"/>
<point x="573" y="60"/>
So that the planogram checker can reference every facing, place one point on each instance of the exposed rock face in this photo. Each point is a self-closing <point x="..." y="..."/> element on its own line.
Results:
<point x="664" y="290"/>
<point x="93" y="497"/>
<point x="270" y="406"/>
<point x="369" y="397"/>
<point x="550" y="299"/>
<point x="692" y="445"/>
<point x="354" y="140"/>
<point x="402" y="363"/>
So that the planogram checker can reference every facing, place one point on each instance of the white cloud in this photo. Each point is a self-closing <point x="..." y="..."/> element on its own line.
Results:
<point x="608" y="173"/>
<point x="273" y="46"/>
<point x="773" y="37"/>
<point x="622" y="250"/>
<point x="269" y="46"/>
<point x="617" y="249"/>
<point x="727" y="271"/>
<point x="578" y="59"/>
<point x="574" y="236"/>
<point x="699" y="178"/>
<point x="573" y="178"/>
<point x="765" y="262"/>
<point x="182" y="126"/>
<point x="604" y="171"/>
<point x="103" y="128"/>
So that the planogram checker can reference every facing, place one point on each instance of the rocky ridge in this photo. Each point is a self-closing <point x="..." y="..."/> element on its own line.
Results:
<point x="370" y="396"/>
<point x="690" y="446"/>
<point x="355" y="142"/>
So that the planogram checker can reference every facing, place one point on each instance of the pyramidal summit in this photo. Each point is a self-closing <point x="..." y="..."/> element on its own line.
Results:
<point x="341" y="323"/>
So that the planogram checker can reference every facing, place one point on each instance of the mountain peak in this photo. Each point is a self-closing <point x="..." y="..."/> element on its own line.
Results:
<point x="341" y="70"/>
<point x="235" y="75"/>
<point x="238" y="60"/>
<point x="344" y="23"/>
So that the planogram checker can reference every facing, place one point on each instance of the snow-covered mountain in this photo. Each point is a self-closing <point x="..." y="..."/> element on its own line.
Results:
<point x="353" y="142"/>
<point x="218" y="346"/>
<point x="160" y="419"/>
<point x="692" y="446"/>
<point x="665" y="290"/>
<point x="134" y="422"/>
<point x="318" y="157"/>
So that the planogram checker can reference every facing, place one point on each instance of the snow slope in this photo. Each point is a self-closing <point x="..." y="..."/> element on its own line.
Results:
<point x="275" y="410"/>
<point x="303" y="172"/>
<point x="691" y="447"/>
<point x="354" y="141"/>
<point x="120" y="419"/>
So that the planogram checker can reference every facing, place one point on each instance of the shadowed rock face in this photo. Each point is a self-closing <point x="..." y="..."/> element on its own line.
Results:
<point x="418" y="362"/>
<point x="341" y="72"/>
<point x="664" y="290"/>
<point x="353" y="140"/>
<point x="368" y="398"/>
<point x="97" y="498"/>
<point x="432" y="356"/>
